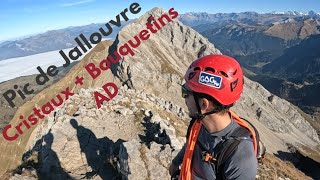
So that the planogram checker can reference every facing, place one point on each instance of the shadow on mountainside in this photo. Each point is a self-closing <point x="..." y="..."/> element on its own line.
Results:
<point x="111" y="51"/>
<point x="153" y="132"/>
<point x="117" y="69"/>
<point x="102" y="155"/>
<point x="44" y="160"/>
<point x="303" y="163"/>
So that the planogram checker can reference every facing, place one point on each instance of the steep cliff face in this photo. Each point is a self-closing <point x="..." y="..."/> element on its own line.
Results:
<point x="292" y="29"/>
<point x="237" y="39"/>
<point x="150" y="116"/>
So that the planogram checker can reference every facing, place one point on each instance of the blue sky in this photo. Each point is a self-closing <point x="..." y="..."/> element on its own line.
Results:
<point x="26" y="17"/>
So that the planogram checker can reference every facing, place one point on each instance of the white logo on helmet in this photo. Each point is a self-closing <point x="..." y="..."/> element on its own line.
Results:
<point x="210" y="80"/>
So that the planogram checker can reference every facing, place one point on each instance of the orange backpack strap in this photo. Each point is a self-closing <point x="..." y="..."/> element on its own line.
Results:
<point x="243" y="123"/>
<point x="185" y="173"/>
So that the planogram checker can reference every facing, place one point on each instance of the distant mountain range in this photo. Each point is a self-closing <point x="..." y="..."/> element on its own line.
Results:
<point x="64" y="38"/>
<point x="238" y="38"/>
<point x="49" y="41"/>
<point x="296" y="13"/>
<point x="193" y="19"/>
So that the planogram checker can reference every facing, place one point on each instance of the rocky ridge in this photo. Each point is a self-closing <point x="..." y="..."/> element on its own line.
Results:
<point x="83" y="142"/>
<point x="147" y="137"/>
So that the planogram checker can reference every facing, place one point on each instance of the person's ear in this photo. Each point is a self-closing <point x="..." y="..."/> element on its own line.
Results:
<point x="204" y="104"/>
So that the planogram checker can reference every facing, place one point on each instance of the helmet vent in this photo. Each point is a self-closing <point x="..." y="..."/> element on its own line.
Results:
<point x="209" y="69"/>
<point x="191" y="75"/>
<point x="196" y="69"/>
<point x="224" y="74"/>
<point x="235" y="72"/>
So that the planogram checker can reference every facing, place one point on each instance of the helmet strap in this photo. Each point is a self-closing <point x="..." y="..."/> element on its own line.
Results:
<point x="199" y="115"/>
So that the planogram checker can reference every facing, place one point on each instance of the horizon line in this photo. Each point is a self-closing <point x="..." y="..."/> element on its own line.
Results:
<point x="74" y="26"/>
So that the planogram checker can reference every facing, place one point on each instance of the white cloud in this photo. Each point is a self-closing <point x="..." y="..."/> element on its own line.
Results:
<point x="76" y="3"/>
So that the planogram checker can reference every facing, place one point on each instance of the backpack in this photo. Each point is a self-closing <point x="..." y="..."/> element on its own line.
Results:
<point x="229" y="144"/>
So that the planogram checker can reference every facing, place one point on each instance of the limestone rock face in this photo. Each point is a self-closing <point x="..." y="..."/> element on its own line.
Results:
<point x="109" y="144"/>
<point x="278" y="115"/>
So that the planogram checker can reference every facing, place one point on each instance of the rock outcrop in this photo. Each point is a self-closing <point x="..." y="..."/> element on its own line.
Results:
<point x="129" y="136"/>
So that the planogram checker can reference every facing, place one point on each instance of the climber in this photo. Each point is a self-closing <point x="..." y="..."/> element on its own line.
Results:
<point x="219" y="145"/>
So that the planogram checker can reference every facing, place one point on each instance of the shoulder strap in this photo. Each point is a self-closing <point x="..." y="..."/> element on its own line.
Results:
<point x="185" y="172"/>
<point x="226" y="149"/>
<point x="189" y="127"/>
<point x="261" y="148"/>
<point x="258" y="152"/>
<point x="244" y="124"/>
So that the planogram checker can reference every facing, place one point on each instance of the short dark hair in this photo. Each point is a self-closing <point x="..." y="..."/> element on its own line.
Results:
<point x="222" y="109"/>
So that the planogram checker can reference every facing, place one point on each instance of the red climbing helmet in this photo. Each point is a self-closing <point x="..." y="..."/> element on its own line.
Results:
<point x="219" y="76"/>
